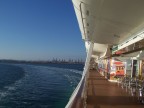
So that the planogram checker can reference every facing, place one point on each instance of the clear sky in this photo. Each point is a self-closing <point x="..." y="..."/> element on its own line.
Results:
<point x="39" y="30"/>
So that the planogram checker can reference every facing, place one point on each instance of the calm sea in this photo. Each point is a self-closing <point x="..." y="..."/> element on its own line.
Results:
<point x="37" y="86"/>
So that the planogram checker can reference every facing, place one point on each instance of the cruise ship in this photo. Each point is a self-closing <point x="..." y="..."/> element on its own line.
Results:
<point x="113" y="33"/>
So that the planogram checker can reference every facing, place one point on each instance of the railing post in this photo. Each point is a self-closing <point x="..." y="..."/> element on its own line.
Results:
<point x="89" y="53"/>
<point x="85" y="72"/>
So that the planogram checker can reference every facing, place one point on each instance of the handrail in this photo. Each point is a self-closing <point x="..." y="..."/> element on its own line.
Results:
<point x="80" y="89"/>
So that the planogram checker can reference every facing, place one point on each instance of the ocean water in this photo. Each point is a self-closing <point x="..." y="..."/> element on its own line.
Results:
<point x="37" y="86"/>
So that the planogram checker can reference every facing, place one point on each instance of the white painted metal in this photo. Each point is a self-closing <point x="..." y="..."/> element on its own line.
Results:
<point x="110" y="21"/>
<point x="88" y="57"/>
<point x="105" y="23"/>
<point x="89" y="53"/>
<point x="141" y="55"/>
<point x="130" y="41"/>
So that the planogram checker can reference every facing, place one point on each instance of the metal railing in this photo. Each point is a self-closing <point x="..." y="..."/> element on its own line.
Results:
<point x="79" y="95"/>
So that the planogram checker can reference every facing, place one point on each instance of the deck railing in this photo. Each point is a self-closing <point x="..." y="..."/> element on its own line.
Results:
<point x="78" y="98"/>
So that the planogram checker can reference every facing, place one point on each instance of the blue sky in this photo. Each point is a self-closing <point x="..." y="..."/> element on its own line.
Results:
<point x="39" y="30"/>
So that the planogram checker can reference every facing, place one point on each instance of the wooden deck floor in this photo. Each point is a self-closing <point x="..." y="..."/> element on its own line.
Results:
<point x="105" y="94"/>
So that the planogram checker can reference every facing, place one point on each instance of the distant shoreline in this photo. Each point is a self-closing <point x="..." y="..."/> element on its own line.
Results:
<point x="41" y="62"/>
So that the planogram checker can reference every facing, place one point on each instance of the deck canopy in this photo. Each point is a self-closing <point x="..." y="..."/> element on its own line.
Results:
<point x="109" y="22"/>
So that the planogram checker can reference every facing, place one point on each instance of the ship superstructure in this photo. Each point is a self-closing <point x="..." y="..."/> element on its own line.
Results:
<point x="113" y="32"/>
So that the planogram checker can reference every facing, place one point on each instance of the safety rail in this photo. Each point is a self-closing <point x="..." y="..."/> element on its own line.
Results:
<point x="79" y="94"/>
<point x="78" y="97"/>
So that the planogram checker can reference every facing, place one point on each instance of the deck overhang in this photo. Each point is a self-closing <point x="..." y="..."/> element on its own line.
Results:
<point x="110" y="22"/>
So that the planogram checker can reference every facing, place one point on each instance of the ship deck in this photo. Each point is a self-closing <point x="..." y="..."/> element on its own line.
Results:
<point x="105" y="94"/>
